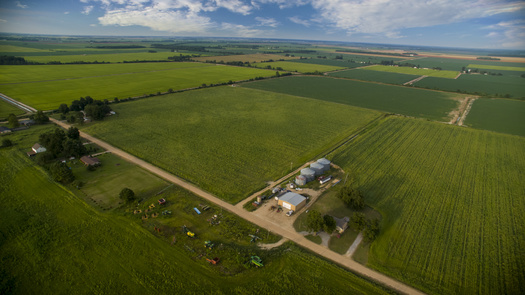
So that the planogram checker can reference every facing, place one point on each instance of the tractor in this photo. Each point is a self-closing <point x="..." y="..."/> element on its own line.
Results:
<point x="209" y="244"/>
<point x="188" y="232"/>
<point x="256" y="260"/>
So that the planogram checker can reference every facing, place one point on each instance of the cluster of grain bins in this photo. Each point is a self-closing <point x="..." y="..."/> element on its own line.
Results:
<point x="308" y="174"/>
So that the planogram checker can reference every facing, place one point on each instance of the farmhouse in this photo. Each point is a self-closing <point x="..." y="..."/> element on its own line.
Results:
<point x="341" y="224"/>
<point x="292" y="201"/>
<point x="89" y="161"/>
<point x="37" y="148"/>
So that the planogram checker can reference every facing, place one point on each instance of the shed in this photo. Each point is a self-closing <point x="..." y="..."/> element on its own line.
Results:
<point x="341" y="224"/>
<point x="318" y="168"/>
<point x="308" y="173"/>
<point x="325" y="163"/>
<point x="292" y="201"/>
<point x="89" y="161"/>
<point x="37" y="148"/>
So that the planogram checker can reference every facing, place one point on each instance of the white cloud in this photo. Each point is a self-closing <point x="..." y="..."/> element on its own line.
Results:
<point x="87" y="10"/>
<point x="492" y="34"/>
<point x="66" y="12"/>
<point x="20" y="5"/>
<point x="267" y="22"/>
<point x="234" y="6"/>
<point x="282" y="3"/>
<point x="242" y="31"/>
<point x="512" y="33"/>
<point x="297" y="20"/>
<point x="2" y="20"/>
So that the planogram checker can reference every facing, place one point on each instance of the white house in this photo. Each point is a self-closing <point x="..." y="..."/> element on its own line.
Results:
<point x="37" y="148"/>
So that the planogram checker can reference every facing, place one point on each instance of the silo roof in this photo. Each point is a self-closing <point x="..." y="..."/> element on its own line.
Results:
<point x="307" y="171"/>
<point x="323" y="161"/>
<point x="317" y="165"/>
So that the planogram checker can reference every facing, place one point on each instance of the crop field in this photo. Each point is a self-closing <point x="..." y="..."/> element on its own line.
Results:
<point x="53" y="242"/>
<point x="452" y="223"/>
<point x="412" y="71"/>
<point x="478" y="84"/>
<point x="297" y="67"/>
<point x="386" y="98"/>
<point x="329" y="62"/>
<point x="7" y="108"/>
<point x="228" y="140"/>
<point x="502" y="68"/>
<point x="452" y="64"/>
<point x="101" y="57"/>
<point x="500" y="115"/>
<point x="251" y="58"/>
<point x="12" y="48"/>
<point x="49" y="95"/>
<point x="374" y="76"/>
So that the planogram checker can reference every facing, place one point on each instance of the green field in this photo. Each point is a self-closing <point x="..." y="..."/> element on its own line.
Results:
<point x="452" y="64"/>
<point x="123" y="83"/>
<point x="392" y="99"/>
<point x="297" y="67"/>
<point x="374" y="76"/>
<point x="491" y="67"/>
<point x="229" y="140"/>
<point x="500" y="115"/>
<point x="329" y="62"/>
<point x="412" y="71"/>
<point x="7" y="108"/>
<point x="478" y="84"/>
<point x="102" y="57"/>
<point x="52" y="242"/>
<point x="452" y="204"/>
<point x="251" y="58"/>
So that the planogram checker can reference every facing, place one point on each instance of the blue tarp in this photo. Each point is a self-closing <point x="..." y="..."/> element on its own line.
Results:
<point x="197" y="210"/>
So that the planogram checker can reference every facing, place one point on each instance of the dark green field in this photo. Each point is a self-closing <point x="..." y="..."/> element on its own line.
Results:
<point x="452" y="64"/>
<point x="329" y="62"/>
<point x="374" y="76"/>
<point x="500" y="115"/>
<point x="386" y="98"/>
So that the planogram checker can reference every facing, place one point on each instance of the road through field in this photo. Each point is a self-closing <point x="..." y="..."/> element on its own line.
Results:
<point x="286" y="233"/>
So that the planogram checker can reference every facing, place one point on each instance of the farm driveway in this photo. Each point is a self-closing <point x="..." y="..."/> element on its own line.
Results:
<point x="285" y="232"/>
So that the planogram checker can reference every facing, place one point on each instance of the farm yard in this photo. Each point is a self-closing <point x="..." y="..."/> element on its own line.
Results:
<point x="374" y="76"/>
<point x="412" y="71"/>
<point x="392" y="99"/>
<point x="500" y="115"/>
<point x="450" y="220"/>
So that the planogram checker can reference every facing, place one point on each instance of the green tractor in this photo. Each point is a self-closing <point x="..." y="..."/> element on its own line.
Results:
<point x="188" y="232"/>
<point x="209" y="245"/>
<point x="256" y="260"/>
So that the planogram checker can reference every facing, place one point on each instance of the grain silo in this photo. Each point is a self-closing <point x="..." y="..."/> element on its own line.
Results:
<point x="325" y="163"/>
<point x="318" y="168"/>
<point x="308" y="173"/>
<point x="300" y="180"/>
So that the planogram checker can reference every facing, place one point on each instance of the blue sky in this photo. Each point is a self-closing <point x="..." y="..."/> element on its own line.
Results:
<point x="452" y="23"/>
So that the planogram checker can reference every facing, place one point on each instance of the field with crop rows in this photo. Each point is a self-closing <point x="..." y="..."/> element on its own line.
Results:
<point x="297" y="67"/>
<point x="7" y="108"/>
<point x="452" y="64"/>
<point x="388" y="98"/>
<point x="452" y="204"/>
<point x="101" y="57"/>
<point x="412" y="71"/>
<point x="500" y="115"/>
<point x="48" y="95"/>
<point x="374" y="76"/>
<point x="229" y="140"/>
<point x="494" y="67"/>
<point x="251" y="58"/>
<point x="330" y="62"/>
<point x="478" y="84"/>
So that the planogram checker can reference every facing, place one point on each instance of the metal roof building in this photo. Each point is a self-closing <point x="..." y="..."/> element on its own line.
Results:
<point x="292" y="201"/>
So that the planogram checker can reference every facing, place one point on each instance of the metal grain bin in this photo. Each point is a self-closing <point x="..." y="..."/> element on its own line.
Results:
<point x="308" y="173"/>
<point x="325" y="163"/>
<point x="318" y="168"/>
<point x="300" y="180"/>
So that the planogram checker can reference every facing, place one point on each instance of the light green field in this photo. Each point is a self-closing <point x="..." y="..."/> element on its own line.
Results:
<point x="229" y="140"/>
<point x="452" y="223"/>
<point x="251" y="58"/>
<point x="501" y="68"/>
<point x="99" y="57"/>
<point x="7" y="108"/>
<point x="297" y="67"/>
<point x="49" y="95"/>
<point x="412" y="71"/>
<point x="12" y="48"/>
<point x="500" y="115"/>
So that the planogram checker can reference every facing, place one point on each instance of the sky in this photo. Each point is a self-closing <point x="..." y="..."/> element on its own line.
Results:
<point x="498" y="24"/>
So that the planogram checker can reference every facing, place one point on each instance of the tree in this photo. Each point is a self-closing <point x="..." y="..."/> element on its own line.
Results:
<point x="73" y="133"/>
<point x="127" y="195"/>
<point x="73" y="147"/>
<point x="63" y="108"/>
<point x="6" y="142"/>
<point x="13" y="121"/>
<point x="351" y="197"/>
<point x="61" y="172"/>
<point x="41" y="118"/>
<point x="358" y="221"/>
<point x="371" y="230"/>
<point x="53" y="141"/>
<point x="314" y="221"/>
<point x="329" y="224"/>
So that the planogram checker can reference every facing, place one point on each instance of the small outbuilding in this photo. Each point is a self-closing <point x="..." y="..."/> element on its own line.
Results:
<point x="37" y="148"/>
<point x="89" y="161"/>
<point x="292" y="201"/>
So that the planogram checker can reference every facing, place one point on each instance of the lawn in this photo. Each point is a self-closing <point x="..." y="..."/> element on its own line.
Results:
<point x="413" y="71"/>
<point x="123" y="83"/>
<point x="54" y="243"/>
<point x="251" y="58"/>
<point x="386" y="98"/>
<point x="297" y="67"/>
<point x="6" y="109"/>
<point x="500" y="115"/>
<point x="496" y="67"/>
<point x="374" y="76"/>
<point x="229" y="140"/>
<point x="452" y="223"/>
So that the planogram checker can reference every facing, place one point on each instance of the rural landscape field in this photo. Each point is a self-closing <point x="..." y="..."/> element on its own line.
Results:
<point x="167" y="164"/>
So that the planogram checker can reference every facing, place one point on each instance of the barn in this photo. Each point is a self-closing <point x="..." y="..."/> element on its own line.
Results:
<point x="292" y="201"/>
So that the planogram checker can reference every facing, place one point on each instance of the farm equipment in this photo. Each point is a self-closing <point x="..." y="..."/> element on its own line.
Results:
<point x="188" y="232"/>
<point x="209" y="244"/>
<point x="254" y="238"/>
<point x="256" y="260"/>
<point x="213" y="261"/>
<point x="272" y="208"/>
<point x="279" y="209"/>
<point x="166" y="212"/>
<point x="162" y="201"/>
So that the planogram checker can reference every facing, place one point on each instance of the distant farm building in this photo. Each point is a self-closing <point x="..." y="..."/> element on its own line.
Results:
<point x="89" y="161"/>
<point x="341" y="224"/>
<point x="4" y="130"/>
<point x="292" y="201"/>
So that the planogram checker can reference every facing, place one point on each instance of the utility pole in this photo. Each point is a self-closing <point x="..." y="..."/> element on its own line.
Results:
<point x="291" y="164"/>
<point x="346" y="178"/>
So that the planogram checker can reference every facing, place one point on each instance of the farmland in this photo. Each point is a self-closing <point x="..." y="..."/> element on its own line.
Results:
<point x="251" y="58"/>
<point x="329" y="62"/>
<point x="412" y="71"/>
<point x="495" y="67"/>
<point x="7" y="108"/>
<point x="53" y="242"/>
<point x="96" y="56"/>
<point x="500" y="115"/>
<point x="50" y="94"/>
<point x="452" y="223"/>
<point x="375" y="76"/>
<point x="228" y="140"/>
<point x="386" y="98"/>
<point x="297" y="67"/>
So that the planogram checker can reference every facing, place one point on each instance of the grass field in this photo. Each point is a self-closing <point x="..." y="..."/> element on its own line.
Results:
<point x="452" y="223"/>
<point x="104" y="57"/>
<point x="229" y="140"/>
<point x="7" y="108"/>
<point x="478" y="84"/>
<point x="500" y="115"/>
<point x="297" y="67"/>
<point x="374" y="76"/>
<point x="330" y="62"/>
<point x="491" y="67"/>
<point x="52" y="242"/>
<point x="251" y="58"/>
<point x="13" y="48"/>
<point x="452" y="64"/>
<point x="392" y="99"/>
<point x="412" y="71"/>
<point x="48" y="95"/>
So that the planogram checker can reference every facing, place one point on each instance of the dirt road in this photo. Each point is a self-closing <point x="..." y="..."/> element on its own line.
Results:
<point x="289" y="234"/>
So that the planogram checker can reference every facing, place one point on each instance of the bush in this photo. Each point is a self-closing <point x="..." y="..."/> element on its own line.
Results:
<point x="6" y="143"/>
<point x="61" y="172"/>
<point x="351" y="197"/>
<point x="127" y="194"/>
